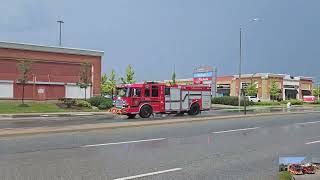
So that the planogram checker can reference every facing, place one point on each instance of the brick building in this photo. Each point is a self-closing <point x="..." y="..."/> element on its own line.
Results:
<point x="54" y="71"/>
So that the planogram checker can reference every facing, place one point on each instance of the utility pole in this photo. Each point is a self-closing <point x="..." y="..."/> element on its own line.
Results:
<point x="60" y="24"/>
<point x="214" y="84"/>
<point x="240" y="61"/>
<point x="318" y="91"/>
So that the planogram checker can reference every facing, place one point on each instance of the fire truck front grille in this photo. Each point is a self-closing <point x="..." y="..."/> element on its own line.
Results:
<point x="119" y="104"/>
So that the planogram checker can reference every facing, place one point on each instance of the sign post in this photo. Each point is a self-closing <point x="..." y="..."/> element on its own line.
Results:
<point x="206" y="75"/>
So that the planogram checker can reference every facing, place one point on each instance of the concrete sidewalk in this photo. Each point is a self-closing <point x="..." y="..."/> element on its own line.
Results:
<point x="6" y="132"/>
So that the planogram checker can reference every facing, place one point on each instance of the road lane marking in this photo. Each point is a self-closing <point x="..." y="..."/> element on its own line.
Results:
<point x="235" y="130"/>
<point x="313" y="142"/>
<point x="312" y="122"/>
<point x="126" y="142"/>
<point x="149" y="174"/>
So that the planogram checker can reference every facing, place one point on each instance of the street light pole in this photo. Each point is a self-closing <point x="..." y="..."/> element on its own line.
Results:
<point x="60" y="24"/>
<point x="318" y="90"/>
<point x="240" y="62"/>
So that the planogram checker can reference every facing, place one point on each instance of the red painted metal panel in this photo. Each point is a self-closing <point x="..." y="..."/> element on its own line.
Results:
<point x="40" y="92"/>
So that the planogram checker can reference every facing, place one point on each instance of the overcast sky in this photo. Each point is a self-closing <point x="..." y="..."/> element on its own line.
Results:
<point x="155" y="35"/>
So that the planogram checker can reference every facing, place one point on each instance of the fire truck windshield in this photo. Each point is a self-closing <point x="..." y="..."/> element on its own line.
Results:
<point x="123" y="92"/>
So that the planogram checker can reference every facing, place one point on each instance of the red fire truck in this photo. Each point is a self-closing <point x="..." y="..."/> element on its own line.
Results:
<point x="148" y="98"/>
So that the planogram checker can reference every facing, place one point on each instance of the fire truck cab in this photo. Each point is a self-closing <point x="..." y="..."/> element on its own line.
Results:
<point x="148" y="98"/>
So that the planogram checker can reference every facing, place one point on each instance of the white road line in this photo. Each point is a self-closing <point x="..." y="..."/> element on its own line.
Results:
<point x="313" y="142"/>
<point x="234" y="130"/>
<point x="312" y="122"/>
<point x="127" y="142"/>
<point x="149" y="174"/>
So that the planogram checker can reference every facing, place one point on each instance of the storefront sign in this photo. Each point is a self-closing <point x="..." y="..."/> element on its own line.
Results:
<point x="308" y="99"/>
<point x="203" y="75"/>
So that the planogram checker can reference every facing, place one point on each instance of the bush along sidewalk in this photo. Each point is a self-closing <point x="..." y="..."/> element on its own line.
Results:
<point x="101" y="102"/>
<point x="230" y="100"/>
<point x="233" y="101"/>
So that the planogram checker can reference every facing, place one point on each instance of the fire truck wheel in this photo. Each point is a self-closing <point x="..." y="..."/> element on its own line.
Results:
<point x="194" y="109"/>
<point x="145" y="111"/>
<point x="131" y="116"/>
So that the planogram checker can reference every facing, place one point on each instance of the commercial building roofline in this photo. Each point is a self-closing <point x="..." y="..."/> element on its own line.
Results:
<point x="53" y="49"/>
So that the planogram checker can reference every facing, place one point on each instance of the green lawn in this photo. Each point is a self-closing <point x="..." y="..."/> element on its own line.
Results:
<point x="285" y="175"/>
<point x="34" y="107"/>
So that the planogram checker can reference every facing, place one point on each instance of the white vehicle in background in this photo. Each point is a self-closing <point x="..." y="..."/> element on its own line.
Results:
<point x="253" y="99"/>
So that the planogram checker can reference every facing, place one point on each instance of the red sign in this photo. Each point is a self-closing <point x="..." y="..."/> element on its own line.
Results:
<point x="308" y="98"/>
<point x="202" y="80"/>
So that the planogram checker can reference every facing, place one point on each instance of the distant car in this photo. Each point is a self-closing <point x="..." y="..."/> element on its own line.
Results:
<point x="253" y="99"/>
<point x="308" y="170"/>
<point x="295" y="169"/>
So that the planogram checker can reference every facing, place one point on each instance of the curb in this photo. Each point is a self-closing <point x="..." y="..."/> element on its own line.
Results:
<point x="62" y="114"/>
<point x="103" y="126"/>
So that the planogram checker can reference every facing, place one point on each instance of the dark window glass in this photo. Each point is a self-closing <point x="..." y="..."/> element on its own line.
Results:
<point x="167" y="91"/>
<point x="147" y="92"/>
<point x="135" y="92"/>
<point x="155" y="91"/>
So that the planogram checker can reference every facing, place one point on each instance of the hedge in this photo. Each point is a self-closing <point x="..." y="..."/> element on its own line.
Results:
<point x="230" y="100"/>
<point x="96" y="100"/>
<point x="267" y="103"/>
<point x="107" y="104"/>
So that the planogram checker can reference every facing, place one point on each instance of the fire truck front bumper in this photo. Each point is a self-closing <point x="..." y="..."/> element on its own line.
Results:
<point x="115" y="110"/>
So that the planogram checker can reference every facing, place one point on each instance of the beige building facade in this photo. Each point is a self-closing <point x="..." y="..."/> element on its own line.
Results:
<point x="290" y="87"/>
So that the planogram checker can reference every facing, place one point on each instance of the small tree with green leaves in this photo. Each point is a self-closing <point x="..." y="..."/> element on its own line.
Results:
<point x="85" y="77"/>
<point x="316" y="92"/>
<point x="24" y="67"/>
<point x="251" y="89"/>
<point x="108" y="84"/>
<point x="274" y="89"/>
<point x="173" y="78"/>
<point x="129" y="79"/>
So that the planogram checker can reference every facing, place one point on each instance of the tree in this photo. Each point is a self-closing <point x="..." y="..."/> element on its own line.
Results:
<point x="129" y="79"/>
<point x="173" y="78"/>
<point x="85" y="77"/>
<point x="24" y="67"/>
<point x="316" y="92"/>
<point x="251" y="89"/>
<point x="274" y="89"/>
<point x="108" y="84"/>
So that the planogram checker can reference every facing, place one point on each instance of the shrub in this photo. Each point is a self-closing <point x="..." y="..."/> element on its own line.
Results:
<point x="82" y="103"/>
<point x="67" y="101"/>
<point x="107" y="104"/>
<point x="267" y="103"/>
<point x="229" y="100"/>
<point x="295" y="102"/>
<point x="97" y="100"/>
<point x="316" y="102"/>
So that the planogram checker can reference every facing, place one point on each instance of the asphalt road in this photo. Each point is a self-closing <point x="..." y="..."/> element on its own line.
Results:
<point x="246" y="148"/>
<point x="44" y="121"/>
<point x="307" y="177"/>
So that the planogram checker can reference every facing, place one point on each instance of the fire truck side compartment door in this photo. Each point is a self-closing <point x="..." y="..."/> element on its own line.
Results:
<point x="206" y="99"/>
<point x="173" y="100"/>
<point x="184" y="100"/>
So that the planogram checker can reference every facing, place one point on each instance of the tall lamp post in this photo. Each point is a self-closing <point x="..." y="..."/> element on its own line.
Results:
<point x="240" y="63"/>
<point x="60" y="24"/>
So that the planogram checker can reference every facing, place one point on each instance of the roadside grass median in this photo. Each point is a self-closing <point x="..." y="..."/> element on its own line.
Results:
<point x="285" y="175"/>
<point x="37" y="107"/>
